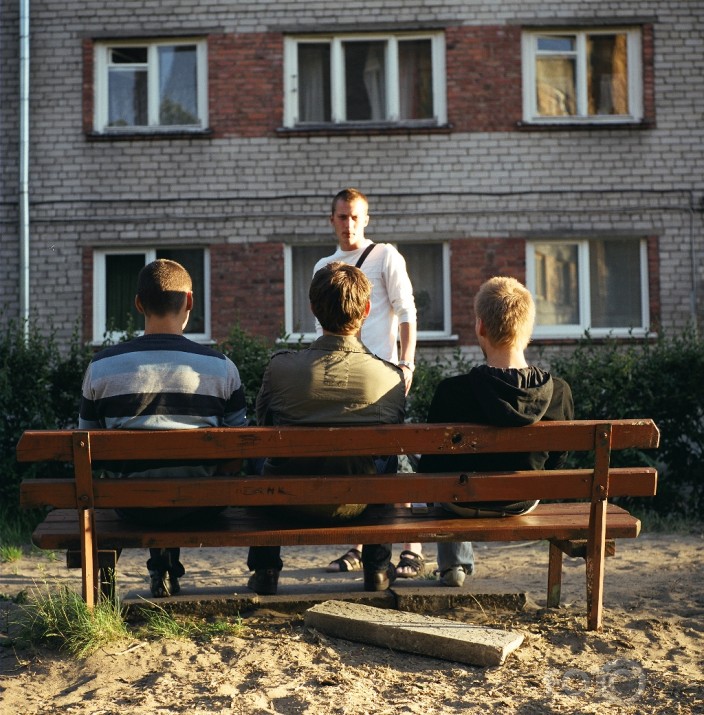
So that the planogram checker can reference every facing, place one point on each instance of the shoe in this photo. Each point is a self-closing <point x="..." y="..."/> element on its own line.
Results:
<point x="454" y="576"/>
<point x="163" y="583"/>
<point x="410" y="565"/>
<point x="265" y="582"/>
<point x="350" y="561"/>
<point x="379" y="580"/>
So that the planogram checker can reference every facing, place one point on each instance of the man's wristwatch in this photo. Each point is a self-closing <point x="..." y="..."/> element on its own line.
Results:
<point x="404" y="363"/>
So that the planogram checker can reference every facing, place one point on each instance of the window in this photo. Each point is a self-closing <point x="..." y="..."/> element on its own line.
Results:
<point x="428" y="266"/>
<point x="595" y="285"/>
<point x="151" y="86"/>
<point x="395" y="79"/>
<point x="115" y="286"/>
<point x="586" y="75"/>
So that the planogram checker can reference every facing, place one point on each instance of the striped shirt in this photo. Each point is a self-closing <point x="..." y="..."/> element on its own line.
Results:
<point x="161" y="381"/>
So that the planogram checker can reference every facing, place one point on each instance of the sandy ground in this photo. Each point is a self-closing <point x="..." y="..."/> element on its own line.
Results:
<point x="648" y="658"/>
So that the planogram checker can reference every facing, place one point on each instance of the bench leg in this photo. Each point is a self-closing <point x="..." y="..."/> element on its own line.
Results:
<point x="595" y="557"/>
<point x="89" y="557"/>
<point x="554" y="576"/>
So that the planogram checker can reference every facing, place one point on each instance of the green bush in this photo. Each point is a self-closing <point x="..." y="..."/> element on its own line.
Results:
<point x="251" y="355"/>
<point x="427" y="375"/>
<point x="39" y="389"/>
<point x="660" y="379"/>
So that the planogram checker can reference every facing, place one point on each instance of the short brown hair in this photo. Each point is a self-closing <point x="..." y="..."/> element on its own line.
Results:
<point x="506" y="308"/>
<point x="348" y="195"/>
<point x="338" y="295"/>
<point x="162" y="286"/>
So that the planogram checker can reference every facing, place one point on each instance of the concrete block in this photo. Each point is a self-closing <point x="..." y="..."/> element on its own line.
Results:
<point x="413" y="633"/>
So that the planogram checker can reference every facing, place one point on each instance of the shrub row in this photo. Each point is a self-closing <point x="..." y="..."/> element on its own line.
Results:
<point x="660" y="378"/>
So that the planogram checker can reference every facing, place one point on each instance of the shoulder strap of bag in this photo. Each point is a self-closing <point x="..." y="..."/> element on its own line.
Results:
<point x="364" y="255"/>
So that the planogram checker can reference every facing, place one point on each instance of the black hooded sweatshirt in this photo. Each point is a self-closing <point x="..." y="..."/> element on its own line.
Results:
<point x="504" y="397"/>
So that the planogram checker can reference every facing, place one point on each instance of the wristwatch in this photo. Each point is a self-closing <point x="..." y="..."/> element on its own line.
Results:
<point x="404" y="363"/>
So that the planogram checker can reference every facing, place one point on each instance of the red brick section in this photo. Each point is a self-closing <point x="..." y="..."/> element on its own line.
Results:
<point x="654" y="282"/>
<point x="648" y="74"/>
<point x="247" y="287"/>
<point x="88" y="62"/>
<point x="87" y="293"/>
<point x="472" y="262"/>
<point x="245" y="84"/>
<point x="484" y="90"/>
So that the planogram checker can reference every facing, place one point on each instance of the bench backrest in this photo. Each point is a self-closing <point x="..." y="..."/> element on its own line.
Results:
<point x="84" y="448"/>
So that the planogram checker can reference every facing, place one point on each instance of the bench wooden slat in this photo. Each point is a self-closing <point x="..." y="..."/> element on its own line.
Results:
<point x="243" y="442"/>
<point x="356" y="489"/>
<point x="243" y="527"/>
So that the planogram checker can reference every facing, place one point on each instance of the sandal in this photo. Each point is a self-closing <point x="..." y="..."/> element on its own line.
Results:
<point x="351" y="561"/>
<point x="413" y="565"/>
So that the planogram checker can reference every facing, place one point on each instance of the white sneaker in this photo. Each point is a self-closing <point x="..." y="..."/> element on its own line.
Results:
<point x="454" y="576"/>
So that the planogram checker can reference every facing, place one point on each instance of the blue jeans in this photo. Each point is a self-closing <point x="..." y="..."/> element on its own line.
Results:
<point x="455" y="553"/>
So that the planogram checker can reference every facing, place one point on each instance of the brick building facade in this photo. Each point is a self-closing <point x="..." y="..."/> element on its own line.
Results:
<point x="559" y="142"/>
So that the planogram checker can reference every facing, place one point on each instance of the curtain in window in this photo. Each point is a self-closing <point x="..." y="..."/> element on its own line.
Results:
<point x="314" y="83"/>
<point x="121" y="272"/>
<point x="127" y="98"/>
<point x="607" y="68"/>
<point x="557" y="293"/>
<point x="614" y="269"/>
<point x="178" y="85"/>
<point x="415" y="79"/>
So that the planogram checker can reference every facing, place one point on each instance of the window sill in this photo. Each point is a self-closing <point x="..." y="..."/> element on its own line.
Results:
<point x="152" y="134"/>
<point x="584" y="124"/>
<point x="364" y="129"/>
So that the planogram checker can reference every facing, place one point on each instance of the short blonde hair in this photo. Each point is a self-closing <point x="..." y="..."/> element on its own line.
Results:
<point x="507" y="309"/>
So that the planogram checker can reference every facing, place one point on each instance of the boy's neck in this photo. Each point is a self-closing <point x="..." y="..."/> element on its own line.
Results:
<point x="505" y="357"/>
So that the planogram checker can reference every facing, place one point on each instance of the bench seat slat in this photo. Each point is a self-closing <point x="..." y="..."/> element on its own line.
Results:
<point x="247" y="527"/>
<point x="255" y="491"/>
<point x="223" y="443"/>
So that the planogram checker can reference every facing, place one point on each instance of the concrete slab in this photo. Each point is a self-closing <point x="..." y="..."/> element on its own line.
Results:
<point x="413" y="633"/>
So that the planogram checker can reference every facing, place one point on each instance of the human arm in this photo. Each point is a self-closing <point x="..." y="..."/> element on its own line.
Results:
<point x="407" y="336"/>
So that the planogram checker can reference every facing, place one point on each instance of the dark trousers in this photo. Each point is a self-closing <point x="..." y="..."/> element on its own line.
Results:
<point x="375" y="557"/>
<point x="167" y="559"/>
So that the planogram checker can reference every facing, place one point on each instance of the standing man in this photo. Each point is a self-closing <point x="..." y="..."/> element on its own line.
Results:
<point x="505" y="392"/>
<point x="162" y="380"/>
<point x="392" y="320"/>
<point x="335" y="381"/>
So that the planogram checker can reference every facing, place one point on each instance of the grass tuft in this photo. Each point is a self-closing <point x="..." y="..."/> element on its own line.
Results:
<point x="10" y="553"/>
<point x="160" y="623"/>
<point x="61" y="619"/>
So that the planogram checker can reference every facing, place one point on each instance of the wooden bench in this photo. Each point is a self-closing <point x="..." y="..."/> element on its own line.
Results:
<point x="585" y="525"/>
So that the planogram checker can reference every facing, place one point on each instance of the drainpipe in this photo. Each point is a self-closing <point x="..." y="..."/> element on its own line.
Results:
<point x="24" y="165"/>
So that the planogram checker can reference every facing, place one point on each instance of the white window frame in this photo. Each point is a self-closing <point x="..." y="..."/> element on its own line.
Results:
<point x="445" y="333"/>
<point x="100" y="82"/>
<point x="577" y="330"/>
<point x="100" y="332"/>
<point x="337" y="77"/>
<point x="635" y="76"/>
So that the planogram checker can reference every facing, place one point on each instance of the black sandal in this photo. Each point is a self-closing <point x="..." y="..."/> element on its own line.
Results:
<point x="350" y="561"/>
<point x="412" y="561"/>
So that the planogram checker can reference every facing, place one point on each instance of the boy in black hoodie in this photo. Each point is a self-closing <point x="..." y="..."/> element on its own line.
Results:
<point x="506" y="392"/>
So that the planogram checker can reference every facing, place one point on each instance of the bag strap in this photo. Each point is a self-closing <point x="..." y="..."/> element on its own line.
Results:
<point x="364" y="255"/>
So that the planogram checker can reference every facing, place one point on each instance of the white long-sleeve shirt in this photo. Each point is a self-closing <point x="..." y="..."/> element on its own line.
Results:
<point x="392" y="295"/>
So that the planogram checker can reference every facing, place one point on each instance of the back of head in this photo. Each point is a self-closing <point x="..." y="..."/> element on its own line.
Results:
<point x="349" y="196"/>
<point x="506" y="308"/>
<point x="162" y="286"/>
<point x="338" y="295"/>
